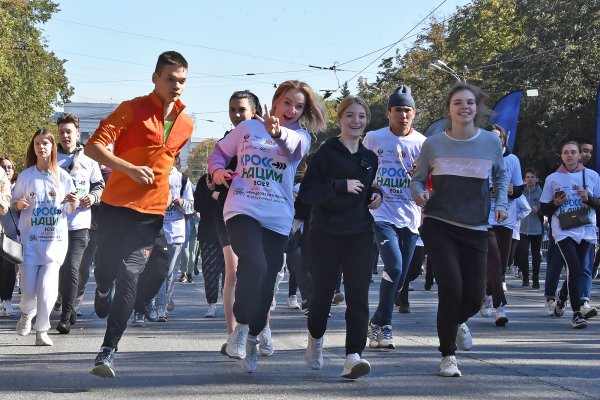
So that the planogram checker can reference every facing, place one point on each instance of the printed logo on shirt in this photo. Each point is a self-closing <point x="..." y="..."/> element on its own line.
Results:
<point x="379" y="152"/>
<point x="32" y="195"/>
<point x="255" y="166"/>
<point x="52" y="193"/>
<point x="238" y="191"/>
<point x="246" y="137"/>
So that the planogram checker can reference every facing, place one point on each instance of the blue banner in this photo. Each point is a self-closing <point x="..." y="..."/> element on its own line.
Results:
<point x="506" y="114"/>
<point x="596" y="148"/>
<point x="436" y="126"/>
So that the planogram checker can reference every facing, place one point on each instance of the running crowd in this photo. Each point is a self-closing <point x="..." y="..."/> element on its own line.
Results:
<point x="457" y="198"/>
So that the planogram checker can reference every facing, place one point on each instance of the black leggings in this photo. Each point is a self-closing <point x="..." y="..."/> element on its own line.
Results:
<point x="331" y="255"/>
<point x="458" y="256"/>
<point x="213" y="267"/>
<point x="575" y="256"/>
<point x="260" y="258"/>
<point x="497" y="237"/>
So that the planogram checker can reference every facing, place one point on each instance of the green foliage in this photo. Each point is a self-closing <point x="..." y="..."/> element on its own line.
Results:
<point x="32" y="79"/>
<point x="197" y="165"/>
<point x="504" y="46"/>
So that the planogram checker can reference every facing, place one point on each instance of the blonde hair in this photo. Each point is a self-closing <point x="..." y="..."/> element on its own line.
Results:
<point x="347" y="102"/>
<point x="314" y="116"/>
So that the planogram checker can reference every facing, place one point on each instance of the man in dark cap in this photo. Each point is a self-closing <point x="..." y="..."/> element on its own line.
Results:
<point x="396" y="221"/>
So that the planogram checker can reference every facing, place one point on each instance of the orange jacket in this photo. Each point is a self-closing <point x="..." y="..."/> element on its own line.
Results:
<point x="137" y="129"/>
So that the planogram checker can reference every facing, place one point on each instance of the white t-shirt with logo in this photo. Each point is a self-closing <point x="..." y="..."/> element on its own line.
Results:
<point x="513" y="171"/>
<point x="263" y="186"/>
<point x="84" y="171"/>
<point x="397" y="155"/>
<point x="174" y="221"/>
<point x="43" y="224"/>
<point x="565" y="181"/>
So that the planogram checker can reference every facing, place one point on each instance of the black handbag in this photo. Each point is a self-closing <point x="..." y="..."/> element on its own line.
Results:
<point x="575" y="218"/>
<point x="11" y="250"/>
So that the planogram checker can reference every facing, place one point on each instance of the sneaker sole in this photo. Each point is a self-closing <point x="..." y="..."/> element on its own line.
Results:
<point x="502" y="321"/>
<point x="447" y="375"/>
<point x="266" y="353"/>
<point x="223" y="350"/>
<point x="580" y="326"/>
<point x="210" y="316"/>
<point x="233" y="355"/>
<point x="103" y="371"/>
<point x="390" y="346"/>
<point x="591" y="314"/>
<point x="357" y="371"/>
<point x="138" y="325"/>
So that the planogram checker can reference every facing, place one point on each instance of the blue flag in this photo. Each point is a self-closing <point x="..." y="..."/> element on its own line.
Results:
<point x="506" y="114"/>
<point x="597" y="129"/>
<point x="436" y="126"/>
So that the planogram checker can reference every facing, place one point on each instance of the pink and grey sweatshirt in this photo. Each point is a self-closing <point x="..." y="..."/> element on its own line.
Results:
<point x="459" y="174"/>
<point x="263" y="185"/>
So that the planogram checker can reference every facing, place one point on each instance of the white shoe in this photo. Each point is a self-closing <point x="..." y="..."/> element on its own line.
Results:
<point x="373" y="334"/>
<point x="314" y="352"/>
<point x="504" y="288"/>
<point x="587" y="311"/>
<point x="464" y="338"/>
<point x="385" y="338"/>
<point x="42" y="339"/>
<point x="273" y="305"/>
<point x="355" y="367"/>
<point x="24" y="324"/>
<point x="549" y="307"/>
<point x="292" y="302"/>
<point x="265" y="343"/>
<point x="487" y="307"/>
<point x="501" y="318"/>
<point x="449" y="367"/>
<point x="250" y="362"/>
<point x="211" y="312"/>
<point x="236" y="343"/>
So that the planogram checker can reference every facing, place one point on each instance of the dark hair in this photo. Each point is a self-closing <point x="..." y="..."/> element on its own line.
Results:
<point x="584" y="140"/>
<point x="483" y="112"/>
<point x="10" y="160"/>
<point x="496" y="127"/>
<point x="68" y="119"/>
<point x="532" y="171"/>
<point x="31" y="157"/>
<point x="169" y="58"/>
<point x="251" y="97"/>
<point x="308" y="158"/>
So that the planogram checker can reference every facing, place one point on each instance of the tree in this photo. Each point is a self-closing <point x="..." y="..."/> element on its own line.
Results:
<point x="197" y="165"/>
<point x="32" y="79"/>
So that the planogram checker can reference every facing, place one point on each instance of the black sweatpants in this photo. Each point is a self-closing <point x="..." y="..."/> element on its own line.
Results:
<point x="494" y="264"/>
<point x="213" y="267"/>
<point x="260" y="258"/>
<point x="331" y="255"/>
<point x="523" y="255"/>
<point x="458" y="257"/>
<point x="8" y="277"/>
<point x="68" y="276"/>
<point x="125" y="238"/>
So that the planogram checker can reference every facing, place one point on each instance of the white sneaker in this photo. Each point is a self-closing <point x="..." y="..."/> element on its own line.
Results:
<point x="504" y="288"/>
<point x="42" y="339"/>
<point x="549" y="307"/>
<point x="449" y="367"/>
<point x="236" y="343"/>
<point x="355" y="367"/>
<point x="24" y="324"/>
<point x="587" y="311"/>
<point x="501" y="318"/>
<point x="138" y="320"/>
<point x="273" y="305"/>
<point x="211" y="312"/>
<point x="487" y="307"/>
<point x="292" y="302"/>
<point x="464" y="338"/>
<point x="250" y="362"/>
<point x="265" y="342"/>
<point x="385" y="338"/>
<point x="373" y="334"/>
<point x="314" y="352"/>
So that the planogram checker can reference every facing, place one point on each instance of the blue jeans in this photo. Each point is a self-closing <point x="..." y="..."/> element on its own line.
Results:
<point x="396" y="247"/>
<point x="555" y="265"/>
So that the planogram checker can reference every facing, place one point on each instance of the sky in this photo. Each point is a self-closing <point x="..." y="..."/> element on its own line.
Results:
<point x="111" y="46"/>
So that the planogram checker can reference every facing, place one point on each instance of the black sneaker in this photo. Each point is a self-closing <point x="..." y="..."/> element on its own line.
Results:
<point x="183" y="278"/>
<point x="73" y="318"/>
<point x="102" y="304"/>
<point x="64" y="325"/>
<point x="103" y="364"/>
<point x="535" y="283"/>
<point x="189" y="278"/>
<point x="578" y="321"/>
<point x="404" y="308"/>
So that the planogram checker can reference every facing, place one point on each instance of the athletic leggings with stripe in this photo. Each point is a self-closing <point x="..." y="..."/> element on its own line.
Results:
<point x="213" y="266"/>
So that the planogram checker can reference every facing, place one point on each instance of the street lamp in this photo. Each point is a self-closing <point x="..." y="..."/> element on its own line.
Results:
<point x="439" y="65"/>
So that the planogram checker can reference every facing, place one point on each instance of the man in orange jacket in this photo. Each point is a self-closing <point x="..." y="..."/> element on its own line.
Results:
<point x="148" y="133"/>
